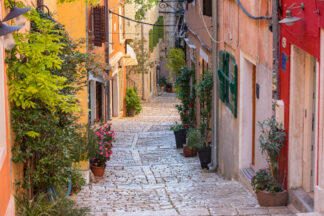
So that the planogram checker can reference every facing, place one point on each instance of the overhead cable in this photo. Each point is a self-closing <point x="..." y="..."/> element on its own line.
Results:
<point x="140" y="22"/>
<point x="251" y="16"/>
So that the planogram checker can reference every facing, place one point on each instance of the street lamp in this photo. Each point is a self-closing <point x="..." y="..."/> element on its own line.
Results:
<point x="290" y="19"/>
<point x="6" y="30"/>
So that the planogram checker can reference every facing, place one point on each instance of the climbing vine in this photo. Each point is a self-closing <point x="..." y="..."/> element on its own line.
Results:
<point x="45" y="73"/>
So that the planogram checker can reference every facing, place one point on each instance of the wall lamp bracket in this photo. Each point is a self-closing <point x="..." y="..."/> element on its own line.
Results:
<point x="290" y="19"/>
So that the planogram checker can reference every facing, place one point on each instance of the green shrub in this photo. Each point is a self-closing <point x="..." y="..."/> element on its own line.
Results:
<point x="263" y="181"/>
<point x="132" y="100"/>
<point x="41" y="206"/>
<point x="194" y="139"/>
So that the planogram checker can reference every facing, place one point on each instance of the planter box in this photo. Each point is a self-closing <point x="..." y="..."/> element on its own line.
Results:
<point x="84" y="168"/>
<point x="180" y="137"/>
<point x="272" y="199"/>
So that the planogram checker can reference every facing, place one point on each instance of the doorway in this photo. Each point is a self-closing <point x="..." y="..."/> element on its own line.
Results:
<point x="247" y="114"/>
<point x="302" y="120"/>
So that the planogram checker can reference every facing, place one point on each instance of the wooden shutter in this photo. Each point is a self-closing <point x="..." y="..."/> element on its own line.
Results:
<point x="207" y="7"/>
<point x="98" y="14"/>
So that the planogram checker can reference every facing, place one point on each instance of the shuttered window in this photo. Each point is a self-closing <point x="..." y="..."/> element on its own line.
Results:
<point x="207" y="7"/>
<point x="227" y="74"/>
<point x="98" y="16"/>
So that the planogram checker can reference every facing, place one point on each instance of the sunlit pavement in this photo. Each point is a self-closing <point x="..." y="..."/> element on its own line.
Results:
<point x="148" y="176"/>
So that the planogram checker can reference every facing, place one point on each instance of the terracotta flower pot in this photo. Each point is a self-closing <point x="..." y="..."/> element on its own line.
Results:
<point x="169" y="90"/>
<point x="98" y="171"/>
<point x="131" y="112"/>
<point x="162" y="88"/>
<point x="189" y="152"/>
<point x="272" y="199"/>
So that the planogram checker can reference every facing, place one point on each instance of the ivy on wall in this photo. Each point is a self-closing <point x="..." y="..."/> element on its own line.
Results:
<point x="156" y="33"/>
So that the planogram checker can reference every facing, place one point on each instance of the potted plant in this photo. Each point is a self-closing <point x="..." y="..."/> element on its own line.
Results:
<point x="133" y="102"/>
<point x="168" y="87"/>
<point x="189" y="150"/>
<point x="180" y="134"/>
<point x="266" y="183"/>
<point x="162" y="83"/>
<point x="103" y="149"/>
<point x="204" y="88"/>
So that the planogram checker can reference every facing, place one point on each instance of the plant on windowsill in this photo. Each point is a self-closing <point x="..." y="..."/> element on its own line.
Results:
<point x="179" y="131"/>
<point x="204" y="90"/>
<point x="189" y="150"/>
<point x="133" y="102"/>
<point x="105" y="138"/>
<point x="266" y="183"/>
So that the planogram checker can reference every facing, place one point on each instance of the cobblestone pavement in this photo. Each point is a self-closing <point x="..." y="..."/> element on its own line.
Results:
<point x="148" y="176"/>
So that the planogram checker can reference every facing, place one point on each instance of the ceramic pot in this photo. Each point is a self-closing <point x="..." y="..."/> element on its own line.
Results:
<point x="272" y="199"/>
<point x="189" y="151"/>
<point x="131" y="113"/>
<point x="98" y="171"/>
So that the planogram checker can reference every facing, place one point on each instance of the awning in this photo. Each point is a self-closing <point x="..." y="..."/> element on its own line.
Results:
<point x="130" y="58"/>
<point x="204" y="55"/>
<point x="96" y="78"/>
<point x="189" y="43"/>
<point x="115" y="59"/>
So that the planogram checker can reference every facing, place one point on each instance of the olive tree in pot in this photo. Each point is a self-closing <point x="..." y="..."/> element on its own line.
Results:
<point x="204" y="88"/>
<point x="133" y="102"/>
<point x="266" y="183"/>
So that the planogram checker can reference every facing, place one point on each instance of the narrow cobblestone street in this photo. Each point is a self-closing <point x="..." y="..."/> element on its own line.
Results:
<point x="147" y="175"/>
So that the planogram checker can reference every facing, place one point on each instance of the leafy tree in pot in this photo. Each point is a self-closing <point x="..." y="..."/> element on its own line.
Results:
<point x="132" y="100"/>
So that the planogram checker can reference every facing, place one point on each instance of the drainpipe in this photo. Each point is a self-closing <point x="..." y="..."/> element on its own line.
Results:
<point x="107" y="59"/>
<point x="276" y="37"/>
<point x="214" y="164"/>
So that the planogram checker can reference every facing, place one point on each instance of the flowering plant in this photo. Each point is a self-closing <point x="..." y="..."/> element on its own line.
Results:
<point x="263" y="181"/>
<point x="105" y="137"/>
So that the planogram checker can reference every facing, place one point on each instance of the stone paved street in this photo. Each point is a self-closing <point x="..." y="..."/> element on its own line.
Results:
<point x="148" y="176"/>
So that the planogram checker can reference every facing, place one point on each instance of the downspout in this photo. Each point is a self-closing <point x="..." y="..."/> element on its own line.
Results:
<point x="214" y="163"/>
<point x="107" y="59"/>
<point x="87" y="51"/>
<point x="276" y="37"/>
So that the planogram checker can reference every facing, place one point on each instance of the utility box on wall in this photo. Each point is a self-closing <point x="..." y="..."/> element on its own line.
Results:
<point x="280" y="112"/>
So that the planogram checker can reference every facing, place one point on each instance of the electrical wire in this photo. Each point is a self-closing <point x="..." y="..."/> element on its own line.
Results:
<point x="140" y="22"/>
<point x="251" y="16"/>
<point x="205" y="25"/>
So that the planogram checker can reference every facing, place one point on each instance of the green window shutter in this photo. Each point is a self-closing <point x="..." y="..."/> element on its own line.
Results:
<point x="151" y="40"/>
<point x="221" y="75"/>
<point x="233" y="87"/>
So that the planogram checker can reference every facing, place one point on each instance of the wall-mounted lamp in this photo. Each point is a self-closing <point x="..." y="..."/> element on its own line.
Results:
<point x="290" y="19"/>
<point x="6" y="30"/>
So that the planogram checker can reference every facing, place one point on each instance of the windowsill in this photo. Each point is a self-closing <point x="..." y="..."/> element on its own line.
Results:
<point x="3" y="154"/>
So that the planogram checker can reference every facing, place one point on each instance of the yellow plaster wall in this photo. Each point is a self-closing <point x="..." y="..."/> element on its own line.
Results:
<point x="73" y="16"/>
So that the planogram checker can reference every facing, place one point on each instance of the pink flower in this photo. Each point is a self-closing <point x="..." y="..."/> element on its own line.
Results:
<point x="264" y="169"/>
<point x="100" y="147"/>
<point x="106" y="149"/>
<point x="101" y="153"/>
<point x="251" y="178"/>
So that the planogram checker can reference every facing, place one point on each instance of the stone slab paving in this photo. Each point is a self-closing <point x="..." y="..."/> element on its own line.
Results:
<point x="148" y="176"/>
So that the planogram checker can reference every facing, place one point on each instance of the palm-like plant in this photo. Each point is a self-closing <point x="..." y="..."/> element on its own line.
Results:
<point x="271" y="141"/>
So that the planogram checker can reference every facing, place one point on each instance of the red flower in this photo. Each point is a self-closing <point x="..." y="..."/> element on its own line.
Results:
<point x="191" y="105"/>
<point x="187" y="126"/>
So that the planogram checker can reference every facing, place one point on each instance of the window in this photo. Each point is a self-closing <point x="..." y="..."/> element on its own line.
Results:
<point x="121" y="25"/>
<point x="110" y="33"/>
<point x="98" y="16"/>
<point x="207" y="8"/>
<point x="227" y="73"/>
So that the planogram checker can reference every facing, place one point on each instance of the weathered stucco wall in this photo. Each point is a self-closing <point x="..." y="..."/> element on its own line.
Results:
<point x="240" y="34"/>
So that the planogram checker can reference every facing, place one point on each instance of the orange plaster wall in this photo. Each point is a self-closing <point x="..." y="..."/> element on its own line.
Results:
<point x="5" y="180"/>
